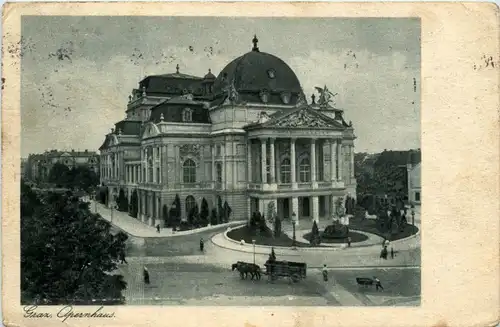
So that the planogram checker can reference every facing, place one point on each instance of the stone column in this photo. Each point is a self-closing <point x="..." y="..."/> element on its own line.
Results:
<point x="201" y="179"/>
<point x="223" y="154"/>
<point x="293" y="172"/>
<point x="339" y="160"/>
<point x="333" y="163"/>
<point x="249" y="208"/>
<point x="159" y="218"/>
<point x="249" y="161"/>
<point x="313" y="160"/>
<point x="155" y="163"/>
<point x="178" y="167"/>
<point x="214" y="178"/>
<point x="315" y="208"/>
<point x="150" y="209"/>
<point x="263" y="160"/>
<point x="295" y="209"/>
<point x="351" y="153"/>
<point x="272" y="163"/>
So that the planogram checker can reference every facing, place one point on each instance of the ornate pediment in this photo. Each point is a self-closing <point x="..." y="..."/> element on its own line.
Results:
<point x="150" y="130"/>
<point x="304" y="118"/>
<point x="189" y="150"/>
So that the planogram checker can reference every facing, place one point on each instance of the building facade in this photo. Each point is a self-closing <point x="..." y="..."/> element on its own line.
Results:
<point x="38" y="166"/>
<point x="247" y="136"/>
<point x="414" y="183"/>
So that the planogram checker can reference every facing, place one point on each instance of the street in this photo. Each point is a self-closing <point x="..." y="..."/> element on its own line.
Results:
<point x="174" y="283"/>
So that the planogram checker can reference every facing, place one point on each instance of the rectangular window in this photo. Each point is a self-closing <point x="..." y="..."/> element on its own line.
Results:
<point x="417" y="196"/>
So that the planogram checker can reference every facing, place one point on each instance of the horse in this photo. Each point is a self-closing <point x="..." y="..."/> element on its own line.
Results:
<point x="245" y="268"/>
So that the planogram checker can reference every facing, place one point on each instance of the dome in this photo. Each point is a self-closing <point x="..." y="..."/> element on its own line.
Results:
<point x="258" y="71"/>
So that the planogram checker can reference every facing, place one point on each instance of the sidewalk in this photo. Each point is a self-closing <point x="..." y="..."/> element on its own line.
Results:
<point x="136" y="228"/>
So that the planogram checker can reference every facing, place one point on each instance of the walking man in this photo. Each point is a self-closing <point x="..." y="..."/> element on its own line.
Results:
<point x="202" y="245"/>
<point x="349" y="241"/>
<point x="325" y="273"/>
<point x="377" y="284"/>
<point x="158" y="228"/>
<point x="392" y="253"/>
<point x="122" y="257"/>
<point x="145" y="274"/>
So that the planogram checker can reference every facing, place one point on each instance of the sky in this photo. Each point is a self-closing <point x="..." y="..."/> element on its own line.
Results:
<point x="77" y="72"/>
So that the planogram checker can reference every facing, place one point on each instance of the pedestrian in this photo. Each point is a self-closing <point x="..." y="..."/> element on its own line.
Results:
<point x="202" y="245"/>
<point x="122" y="257"/>
<point x="272" y="256"/>
<point x="325" y="273"/>
<point x="145" y="273"/>
<point x="392" y="253"/>
<point x="349" y="241"/>
<point x="377" y="284"/>
<point x="158" y="228"/>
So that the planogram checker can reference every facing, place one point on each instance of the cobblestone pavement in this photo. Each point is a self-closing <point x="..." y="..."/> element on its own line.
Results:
<point x="176" y="283"/>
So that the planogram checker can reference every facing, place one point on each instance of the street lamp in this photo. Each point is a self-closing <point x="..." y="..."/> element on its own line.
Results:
<point x="253" y="241"/>
<point x="294" y="222"/>
<point x="413" y="215"/>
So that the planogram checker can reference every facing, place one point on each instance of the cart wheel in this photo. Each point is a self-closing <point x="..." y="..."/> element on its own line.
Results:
<point x="295" y="278"/>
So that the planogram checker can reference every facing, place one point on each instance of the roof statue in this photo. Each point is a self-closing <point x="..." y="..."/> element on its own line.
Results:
<point x="232" y="94"/>
<point x="263" y="117"/>
<point x="325" y="96"/>
<point x="301" y="100"/>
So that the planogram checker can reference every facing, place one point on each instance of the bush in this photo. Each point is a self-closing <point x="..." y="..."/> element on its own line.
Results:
<point x="315" y="237"/>
<point x="213" y="217"/>
<point x="336" y="230"/>
<point x="204" y="213"/>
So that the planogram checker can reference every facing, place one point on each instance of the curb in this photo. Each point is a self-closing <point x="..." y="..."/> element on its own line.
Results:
<point x="177" y="234"/>
<point x="248" y="248"/>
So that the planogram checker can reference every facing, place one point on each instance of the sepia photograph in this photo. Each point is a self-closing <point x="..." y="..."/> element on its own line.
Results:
<point x="220" y="161"/>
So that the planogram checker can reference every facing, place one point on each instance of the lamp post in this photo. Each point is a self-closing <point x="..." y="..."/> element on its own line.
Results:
<point x="253" y="241"/>
<point x="294" y="243"/>
<point x="413" y="215"/>
<point x="94" y="197"/>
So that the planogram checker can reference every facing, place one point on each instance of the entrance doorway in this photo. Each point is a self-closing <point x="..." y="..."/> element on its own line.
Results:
<point x="304" y="207"/>
<point x="286" y="208"/>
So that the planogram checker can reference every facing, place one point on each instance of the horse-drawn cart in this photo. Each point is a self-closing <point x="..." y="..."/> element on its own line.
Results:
<point x="293" y="270"/>
<point x="365" y="282"/>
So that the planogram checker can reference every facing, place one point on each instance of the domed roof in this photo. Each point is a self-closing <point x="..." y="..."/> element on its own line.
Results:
<point x="258" y="71"/>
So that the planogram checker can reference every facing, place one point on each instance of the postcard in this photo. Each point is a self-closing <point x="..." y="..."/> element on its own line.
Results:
<point x="250" y="164"/>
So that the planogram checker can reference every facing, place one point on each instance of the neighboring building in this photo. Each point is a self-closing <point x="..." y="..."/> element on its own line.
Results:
<point x="23" y="167"/>
<point x="414" y="173"/>
<point x="247" y="137"/>
<point x="38" y="165"/>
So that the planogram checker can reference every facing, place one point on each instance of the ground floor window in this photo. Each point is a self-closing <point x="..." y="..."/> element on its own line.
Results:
<point x="417" y="196"/>
<point x="190" y="203"/>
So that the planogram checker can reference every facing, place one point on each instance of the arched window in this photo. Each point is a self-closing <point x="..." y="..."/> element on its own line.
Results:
<point x="187" y="115"/>
<point x="190" y="203"/>
<point x="189" y="171"/>
<point x="286" y="173"/>
<point x="305" y="170"/>
<point x="218" y="168"/>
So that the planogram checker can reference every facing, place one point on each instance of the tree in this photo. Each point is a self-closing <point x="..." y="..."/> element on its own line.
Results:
<point x="134" y="204"/>
<point x="67" y="252"/>
<point x="58" y="174"/>
<point x="204" y="212"/>
<point x="315" y="237"/>
<point x="213" y="217"/>
<point x="165" y="216"/>
<point x="227" y="212"/>
<point x="84" y="178"/>
<point x="220" y="209"/>
<point x="271" y="213"/>
<point x="193" y="216"/>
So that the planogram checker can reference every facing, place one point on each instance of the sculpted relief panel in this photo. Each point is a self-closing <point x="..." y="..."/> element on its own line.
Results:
<point x="302" y="118"/>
